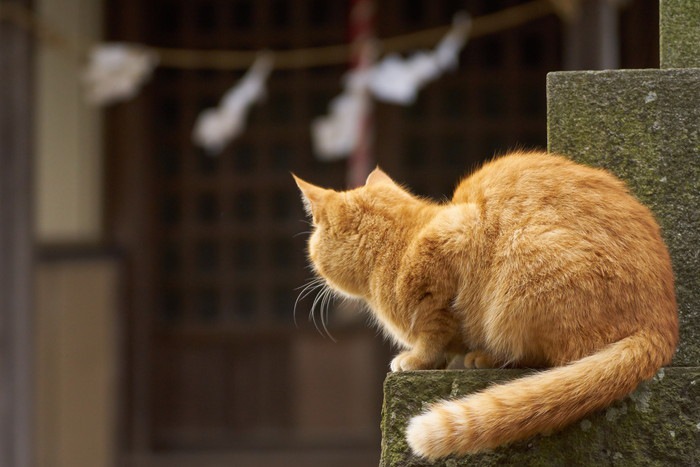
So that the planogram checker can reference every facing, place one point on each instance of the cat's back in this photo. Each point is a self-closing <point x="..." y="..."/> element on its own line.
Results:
<point x="538" y="191"/>
<point x="534" y="175"/>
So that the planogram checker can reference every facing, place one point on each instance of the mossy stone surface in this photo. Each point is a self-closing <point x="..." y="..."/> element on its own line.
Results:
<point x="679" y="33"/>
<point x="644" y="126"/>
<point x="657" y="425"/>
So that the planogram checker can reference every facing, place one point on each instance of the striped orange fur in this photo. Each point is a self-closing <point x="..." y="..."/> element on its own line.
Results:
<point x="535" y="262"/>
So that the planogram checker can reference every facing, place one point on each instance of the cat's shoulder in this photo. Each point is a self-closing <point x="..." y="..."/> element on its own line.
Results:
<point x="453" y="224"/>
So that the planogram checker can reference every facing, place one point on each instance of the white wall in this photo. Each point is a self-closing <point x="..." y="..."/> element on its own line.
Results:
<point x="68" y="146"/>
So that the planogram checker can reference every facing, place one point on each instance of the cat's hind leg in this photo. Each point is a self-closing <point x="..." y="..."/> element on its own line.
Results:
<point x="480" y="359"/>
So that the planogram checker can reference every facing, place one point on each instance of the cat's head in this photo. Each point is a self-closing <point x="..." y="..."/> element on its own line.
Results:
<point x="350" y="228"/>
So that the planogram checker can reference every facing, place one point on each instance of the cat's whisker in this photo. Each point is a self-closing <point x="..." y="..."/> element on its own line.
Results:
<point x="324" y="295"/>
<point x="312" y="315"/>
<point x="307" y="289"/>
<point x="325" y="304"/>
<point x="322" y="301"/>
<point x="314" y="281"/>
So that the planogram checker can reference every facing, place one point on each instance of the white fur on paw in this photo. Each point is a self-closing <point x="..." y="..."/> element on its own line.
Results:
<point x="426" y="434"/>
<point x="437" y="434"/>
<point x="403" y="362"/>
<point x="409" y="361"/>
<point x="398" y="363"/>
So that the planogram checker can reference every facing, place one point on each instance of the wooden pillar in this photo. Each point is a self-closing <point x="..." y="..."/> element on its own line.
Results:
<point x="16" y="244"/>
<point x="361" y="36"/>
<point x="591" y="38"/>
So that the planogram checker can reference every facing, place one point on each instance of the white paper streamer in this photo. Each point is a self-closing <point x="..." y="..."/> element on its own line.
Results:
<point x="397" y="80"/>
<point x="393" y="79"/>
<point x="116" y="72"/>
<point x="216" y="127"/>
<point x="335" y="135"/>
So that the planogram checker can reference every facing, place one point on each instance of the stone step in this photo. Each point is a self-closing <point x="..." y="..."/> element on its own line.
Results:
<point x="644" y="126"/>
<point x="657" y="425"/>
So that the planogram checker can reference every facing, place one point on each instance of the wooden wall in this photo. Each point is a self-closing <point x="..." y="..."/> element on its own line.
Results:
<point x="77" y="359"/>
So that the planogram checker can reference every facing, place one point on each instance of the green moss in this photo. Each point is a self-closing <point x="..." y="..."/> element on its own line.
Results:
<point x="679" y="33"/>
<point x="644" y="126"/>
<point x="662" y="431"/>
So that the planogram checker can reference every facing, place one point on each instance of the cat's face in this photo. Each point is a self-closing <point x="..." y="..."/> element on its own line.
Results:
<point x="347" y="229"/>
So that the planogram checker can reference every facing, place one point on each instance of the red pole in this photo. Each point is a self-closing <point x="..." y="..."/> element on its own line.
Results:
<point x="361" y="25"/>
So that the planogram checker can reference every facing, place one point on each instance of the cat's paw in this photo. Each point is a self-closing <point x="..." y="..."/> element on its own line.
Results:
<point x="479" y="359"/>
<point x="408" y="360"/>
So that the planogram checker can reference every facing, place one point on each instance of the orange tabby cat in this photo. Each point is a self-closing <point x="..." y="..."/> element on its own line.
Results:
<point x="536" y="262"/>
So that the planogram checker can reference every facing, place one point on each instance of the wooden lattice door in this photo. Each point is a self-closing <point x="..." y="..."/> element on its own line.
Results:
<point x="217" y="252"/>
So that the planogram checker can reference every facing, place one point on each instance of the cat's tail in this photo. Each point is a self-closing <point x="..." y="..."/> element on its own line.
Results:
<point x="539" y="403"/>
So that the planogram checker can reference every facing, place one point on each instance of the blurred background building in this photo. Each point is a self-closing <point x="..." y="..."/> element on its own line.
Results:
<point x="148" y="287"/>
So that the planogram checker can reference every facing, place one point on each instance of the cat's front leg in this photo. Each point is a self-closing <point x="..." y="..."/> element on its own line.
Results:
<point x="425" y="290"/>
<point x="429" y="347"/>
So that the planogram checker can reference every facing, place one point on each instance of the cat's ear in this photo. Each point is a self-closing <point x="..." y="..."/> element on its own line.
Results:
<point x="378" y="176"/>
<point x="311" y="195"/>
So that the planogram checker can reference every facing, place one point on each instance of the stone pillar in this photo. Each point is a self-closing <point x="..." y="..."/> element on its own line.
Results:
<point x="643" y="125"/>
<point x="679" y="33"/>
